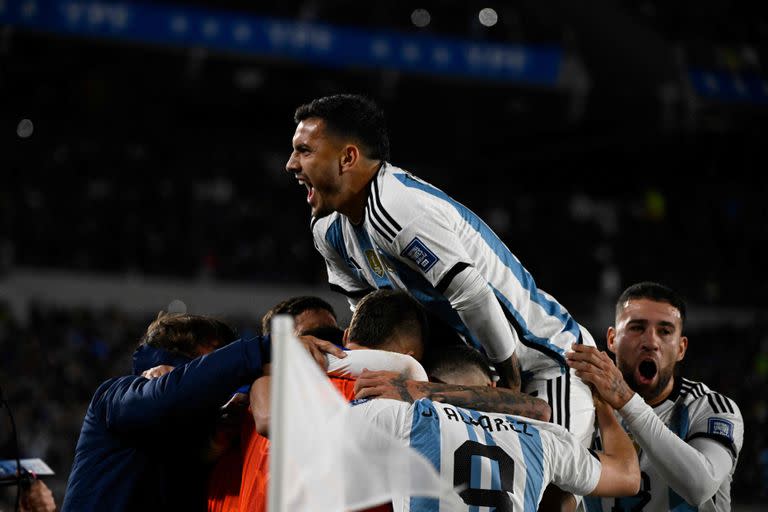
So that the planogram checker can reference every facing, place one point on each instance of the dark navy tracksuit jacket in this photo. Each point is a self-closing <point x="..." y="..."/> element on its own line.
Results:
<point x="141" y="443"/>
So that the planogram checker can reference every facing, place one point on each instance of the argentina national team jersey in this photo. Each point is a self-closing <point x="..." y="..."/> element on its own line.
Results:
<point x="497" y="462"/>
<point x="414" y="237"/>
<point x="691" y="411"/>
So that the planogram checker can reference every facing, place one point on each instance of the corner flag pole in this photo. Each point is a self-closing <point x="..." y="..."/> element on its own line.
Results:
<point x="282" y="330"/>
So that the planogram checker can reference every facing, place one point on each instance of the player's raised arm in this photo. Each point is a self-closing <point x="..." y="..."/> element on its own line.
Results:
<point x="620" y="472"/>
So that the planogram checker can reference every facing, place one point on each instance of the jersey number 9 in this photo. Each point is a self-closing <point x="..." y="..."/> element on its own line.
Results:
<point x="462" y="476"/>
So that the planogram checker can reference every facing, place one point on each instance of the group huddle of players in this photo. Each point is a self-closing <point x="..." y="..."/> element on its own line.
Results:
<point x="429" y="281"/>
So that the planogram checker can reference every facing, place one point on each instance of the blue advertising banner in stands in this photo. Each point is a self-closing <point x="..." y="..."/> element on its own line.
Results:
<point x="731" y="87"/>
<point x="322" y="44"/>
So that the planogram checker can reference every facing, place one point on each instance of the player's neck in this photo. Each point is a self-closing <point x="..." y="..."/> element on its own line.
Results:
<point x="354" y="206"/>
<point x="656" y="400"/>
<point x="354" y="209"/>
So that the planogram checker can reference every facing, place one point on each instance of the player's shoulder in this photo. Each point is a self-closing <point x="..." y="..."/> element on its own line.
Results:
<point x="396" y="197"/>
<point x="321" y="226"/>
<point x="378" y="406"/>
<point x="712" y="415"/>
<point x="697" y="396"/>
<point x="328" y="232"/>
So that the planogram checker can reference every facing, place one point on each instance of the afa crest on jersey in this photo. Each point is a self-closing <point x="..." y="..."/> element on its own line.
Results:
<point x="374" y="262"/>
<point x="420" y="254"/>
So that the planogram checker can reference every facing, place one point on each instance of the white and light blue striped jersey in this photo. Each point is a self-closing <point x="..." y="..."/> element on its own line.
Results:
<point x="414" y="237"/>
<point x="691" y="411"/>
<point x="501" y="462"/>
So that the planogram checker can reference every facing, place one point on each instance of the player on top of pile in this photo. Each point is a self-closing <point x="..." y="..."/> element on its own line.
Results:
<point x="378" y="226"/>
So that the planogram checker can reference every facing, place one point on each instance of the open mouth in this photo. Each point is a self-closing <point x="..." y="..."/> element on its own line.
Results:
<point x="310" y="190"/>
<point x="647" y="370"/>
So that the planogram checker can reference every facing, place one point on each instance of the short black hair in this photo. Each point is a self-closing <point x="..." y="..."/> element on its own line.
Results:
<point x="354" y="116"/>
<point x="456" y="359"/>
<point x="383" y="314"/>
<point x="328" y="333"/>
<point x="188" y="334"/>
<point x="294" y="307"/>
<point x="652" y="291"/>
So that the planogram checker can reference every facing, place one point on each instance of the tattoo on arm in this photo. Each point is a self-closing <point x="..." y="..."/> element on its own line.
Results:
<point x="486" y="399"/>
<point x="401" y="385"/>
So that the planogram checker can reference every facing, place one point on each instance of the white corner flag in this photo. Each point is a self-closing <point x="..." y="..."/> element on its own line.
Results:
<point x="322" y="457"/>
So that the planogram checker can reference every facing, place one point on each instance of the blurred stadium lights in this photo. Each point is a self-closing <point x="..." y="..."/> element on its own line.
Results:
<point x="176" y="306"/>
<point x="488" y="17"/>
<point x="25" y="128"/>
<point x="319" y="43"/>
<point x="420" y="17"/>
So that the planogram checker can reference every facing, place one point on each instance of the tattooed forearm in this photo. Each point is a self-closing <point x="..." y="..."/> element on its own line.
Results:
<point x="401" y="386"/>
<point x="620" y="389"/>
<point x="486" y="399"/>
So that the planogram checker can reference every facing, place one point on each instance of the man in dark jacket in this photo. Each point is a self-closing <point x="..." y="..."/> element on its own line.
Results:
<point x="142" y="441"/>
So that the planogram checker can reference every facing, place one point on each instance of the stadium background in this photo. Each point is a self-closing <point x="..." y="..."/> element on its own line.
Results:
<point x="142" y="149"/>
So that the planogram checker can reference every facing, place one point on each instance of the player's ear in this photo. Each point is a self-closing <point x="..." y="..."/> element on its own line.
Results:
<point x="350" y="154"/>
<point x="682" y="348"/>
<point x="610" y="338"/>
<point x="345" y="337"/>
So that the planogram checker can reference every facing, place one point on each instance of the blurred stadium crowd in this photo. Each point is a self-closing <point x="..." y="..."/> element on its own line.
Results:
<point x="167" y="162"/>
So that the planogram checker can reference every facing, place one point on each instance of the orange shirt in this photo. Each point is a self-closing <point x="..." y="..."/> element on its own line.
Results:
<point x="224" y="480"/>
<point x="255" y="475"/>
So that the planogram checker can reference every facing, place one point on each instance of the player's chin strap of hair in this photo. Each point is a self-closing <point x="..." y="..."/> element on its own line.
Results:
<point x="21" y="475"/>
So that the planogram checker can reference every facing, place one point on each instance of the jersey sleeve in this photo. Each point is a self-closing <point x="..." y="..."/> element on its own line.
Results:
<point x="429" y="244"/>
<point x="573" y="467"/>
<point x="693" y="468"/>
<point x="388" y="415"/>
<point x="358" y="360"/>
<point x="330" y="244"/>
<point x="715" y="416"/>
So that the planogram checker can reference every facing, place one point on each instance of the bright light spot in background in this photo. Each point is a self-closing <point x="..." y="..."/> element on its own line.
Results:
<point x="420" y="17"/>
<point x="488" y="17"/>
<point x="177" y="306"/>
<point x="25" y="128"/>
<point x="179" y="24"/>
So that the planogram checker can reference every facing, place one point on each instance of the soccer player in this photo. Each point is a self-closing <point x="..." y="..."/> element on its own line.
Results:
<point x="378" y="226"/>
<point x="387" y="327"/>
<point x="502" y="461"/>
<point x="308" y="312"/>
<point x="399" y="326"/>
<point x="688" y="436"/>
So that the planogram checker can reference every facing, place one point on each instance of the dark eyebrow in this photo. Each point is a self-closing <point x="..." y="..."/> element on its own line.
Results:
<point x="667" y="324"/>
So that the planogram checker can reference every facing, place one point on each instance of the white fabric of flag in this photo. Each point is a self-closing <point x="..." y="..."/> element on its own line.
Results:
<point x="323" y="458"/>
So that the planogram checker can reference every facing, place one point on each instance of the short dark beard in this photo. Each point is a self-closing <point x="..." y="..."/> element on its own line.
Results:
<point x="648" y="394"/>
